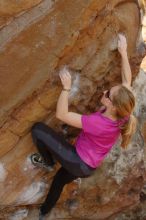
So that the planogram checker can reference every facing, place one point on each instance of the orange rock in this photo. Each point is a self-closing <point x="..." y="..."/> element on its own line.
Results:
<point x="33" y="47"/>
<point x="8" y="140"/>
<point x="8" y="7"/>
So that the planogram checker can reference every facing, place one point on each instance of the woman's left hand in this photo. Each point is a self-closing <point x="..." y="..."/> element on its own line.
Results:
<point x="65" y="78"/>
<point x="122" y="44"/>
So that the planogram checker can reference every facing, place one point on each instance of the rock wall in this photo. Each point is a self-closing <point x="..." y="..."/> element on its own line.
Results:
<point x="37" y="38"/>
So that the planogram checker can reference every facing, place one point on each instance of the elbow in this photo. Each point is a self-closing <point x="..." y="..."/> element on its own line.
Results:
<point x="57" y="115"/>
<point x="61" y="117"/>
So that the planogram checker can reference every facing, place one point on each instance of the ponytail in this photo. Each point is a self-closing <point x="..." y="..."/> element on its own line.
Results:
<point x="127" y="130"/>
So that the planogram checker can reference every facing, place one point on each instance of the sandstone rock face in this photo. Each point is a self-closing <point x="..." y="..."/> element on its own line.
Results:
<point x="37" y="38"/>
<point x="8" y="7"/>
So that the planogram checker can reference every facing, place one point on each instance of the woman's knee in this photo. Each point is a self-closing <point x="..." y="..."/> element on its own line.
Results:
<point x="37" y="125"/>
<point x="40" y="126"/>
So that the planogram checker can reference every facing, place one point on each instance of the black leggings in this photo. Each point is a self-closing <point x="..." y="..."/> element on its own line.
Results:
<point x="51" y="145"/>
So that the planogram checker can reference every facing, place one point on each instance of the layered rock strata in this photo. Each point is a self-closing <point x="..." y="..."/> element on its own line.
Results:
<point x="37" y="38"/>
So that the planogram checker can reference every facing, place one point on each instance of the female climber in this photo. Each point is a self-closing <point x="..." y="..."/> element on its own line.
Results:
<point x="100" y="131"/>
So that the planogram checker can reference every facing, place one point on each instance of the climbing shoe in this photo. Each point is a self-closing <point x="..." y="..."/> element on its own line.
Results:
<point x="38" y="161"/>
<point x="41" y="216"/>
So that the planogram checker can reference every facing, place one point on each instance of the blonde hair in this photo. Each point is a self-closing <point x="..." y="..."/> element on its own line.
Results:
<point x="124" y="101"/>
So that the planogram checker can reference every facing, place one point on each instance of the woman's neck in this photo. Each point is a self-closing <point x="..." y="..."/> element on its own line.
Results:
<point x="109" y="114"/>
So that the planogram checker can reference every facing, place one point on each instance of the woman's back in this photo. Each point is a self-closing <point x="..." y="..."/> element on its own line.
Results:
<point x="97" y="137"/>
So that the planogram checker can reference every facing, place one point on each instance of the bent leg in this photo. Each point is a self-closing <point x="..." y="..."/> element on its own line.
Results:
<point x="42" y="148"/>
<point x="47" y="156"/>
<point x="56" y="145"/>
<point x="61" y="178"/>
<point x="61" y="150"/>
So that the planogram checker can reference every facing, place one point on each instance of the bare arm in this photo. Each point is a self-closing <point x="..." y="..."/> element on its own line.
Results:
<point x="62" y="112"/>
<point x="126" y="70"/>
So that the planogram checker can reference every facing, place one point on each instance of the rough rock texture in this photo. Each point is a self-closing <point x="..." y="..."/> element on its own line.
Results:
<point x="8" y="7"/>
<point x="35" y="42"/>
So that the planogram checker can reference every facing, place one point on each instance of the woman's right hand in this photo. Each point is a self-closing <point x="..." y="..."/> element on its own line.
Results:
<point x="122" y="44"/>
<point x="65" y="77"/>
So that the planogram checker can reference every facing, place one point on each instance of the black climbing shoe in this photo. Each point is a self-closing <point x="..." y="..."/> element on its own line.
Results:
<point x="41" y="216"/>
<point x="38" y="161"/>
